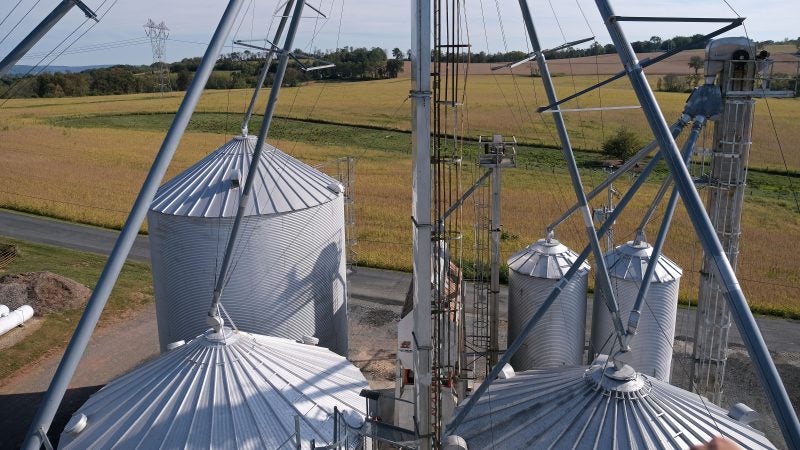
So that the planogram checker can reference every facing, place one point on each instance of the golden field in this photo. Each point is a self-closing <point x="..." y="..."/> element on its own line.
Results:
<point x="495" y="104"/>
<point x="92" y="175"/>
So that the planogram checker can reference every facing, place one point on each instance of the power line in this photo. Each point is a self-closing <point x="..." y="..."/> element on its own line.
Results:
<point x="10" y="12"/>
<point x="96" y="47"/>
<point x="19" y="22"/>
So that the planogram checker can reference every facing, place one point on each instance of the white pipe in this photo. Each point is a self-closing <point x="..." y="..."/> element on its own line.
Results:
<point x="15" y="318"/>
<point x="4" y="311"/>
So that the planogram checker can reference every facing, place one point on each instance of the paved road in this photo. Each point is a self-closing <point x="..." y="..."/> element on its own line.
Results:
<point x="67" y="234"/>
<point x="371" y="285"/>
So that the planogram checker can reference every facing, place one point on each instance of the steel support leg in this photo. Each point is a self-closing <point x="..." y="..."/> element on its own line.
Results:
<point x="751" y="336"/>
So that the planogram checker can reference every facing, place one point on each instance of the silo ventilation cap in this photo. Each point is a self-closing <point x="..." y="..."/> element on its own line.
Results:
<point x="743" y="413"/>
<point x="336" y="187"/>
<point x="309" y="340"/>
<point x="76" y="424"/>
<point x="235" y="178"/>
<point x="616" y="381"/>
<point x="176" y="344"/>
<point x="507" y="372"/>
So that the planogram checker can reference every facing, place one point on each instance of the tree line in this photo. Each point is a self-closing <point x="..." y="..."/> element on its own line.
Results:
<point x="241" y="69"/>
<point x="654" y="44"/>
<point x="231" y="71"/>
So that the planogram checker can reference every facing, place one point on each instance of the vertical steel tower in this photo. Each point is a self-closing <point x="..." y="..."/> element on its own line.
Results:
<point x="741" y="75"/>
<point x="158" y="34"/>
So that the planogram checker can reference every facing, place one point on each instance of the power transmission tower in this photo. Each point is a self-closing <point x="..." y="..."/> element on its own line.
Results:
<point x="158" y="34"/>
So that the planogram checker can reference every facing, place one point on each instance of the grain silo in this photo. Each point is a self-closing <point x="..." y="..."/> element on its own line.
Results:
<point x="288" y="269"/>
<point x="558" y="339"/>
<point x="598" y="407"/>
<point x="651" y="348"/>
<point x="230" y="389"/>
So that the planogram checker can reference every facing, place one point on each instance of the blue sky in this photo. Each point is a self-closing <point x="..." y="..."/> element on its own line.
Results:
<point x="382" y="23"/>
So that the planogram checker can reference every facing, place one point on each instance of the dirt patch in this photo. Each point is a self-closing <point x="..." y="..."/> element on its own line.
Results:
<point x="378" y="317"/>
<point x="45" y="292"/>
<point x="373" y="339"/>
<point x="19" y="333"/>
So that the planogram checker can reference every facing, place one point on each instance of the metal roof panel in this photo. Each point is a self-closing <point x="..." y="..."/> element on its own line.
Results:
<point x="224" y="390"/>
<point x="212" y="187"/>
<point x="583" y="407"/>
<point x="545" y="259"/>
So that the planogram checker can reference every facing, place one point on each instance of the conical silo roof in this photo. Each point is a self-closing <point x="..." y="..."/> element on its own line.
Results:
<point x="223" y="390"/>
<point x="544" y="259"/>
<point x="597" y="407"/>
<point x="213" y="186"/>
<point x="629" y="262"/>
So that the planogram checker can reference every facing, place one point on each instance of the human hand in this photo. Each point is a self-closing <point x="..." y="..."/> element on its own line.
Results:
<point x="717" y="443"/>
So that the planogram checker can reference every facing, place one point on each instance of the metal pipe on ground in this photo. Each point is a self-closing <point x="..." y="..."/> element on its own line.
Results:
<point x="15" y="318"/>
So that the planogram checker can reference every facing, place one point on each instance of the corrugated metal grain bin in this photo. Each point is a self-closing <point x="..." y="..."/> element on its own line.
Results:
<point x="558" y="339"/>
<point x="597" y="407"/>
<point x="224" y="390"/>
<point x="288" y="271"/>
<point x="651" y="348"/>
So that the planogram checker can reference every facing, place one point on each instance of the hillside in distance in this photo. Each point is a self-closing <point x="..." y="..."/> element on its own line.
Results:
<point x="22" y="69"/>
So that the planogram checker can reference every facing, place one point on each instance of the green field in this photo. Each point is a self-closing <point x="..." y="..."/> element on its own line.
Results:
<point x="83" y="159"/>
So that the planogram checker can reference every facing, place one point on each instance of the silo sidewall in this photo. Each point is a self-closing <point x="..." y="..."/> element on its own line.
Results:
<point x="558" y="338"/>
<point x="288" y="275"/>
<point x="651" y="348"/>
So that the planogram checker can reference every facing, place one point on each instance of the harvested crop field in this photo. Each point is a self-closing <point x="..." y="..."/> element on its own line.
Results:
<point x="91" y="155"/>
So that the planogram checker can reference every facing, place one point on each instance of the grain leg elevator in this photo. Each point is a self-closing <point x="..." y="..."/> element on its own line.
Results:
<point x="741" y="74"/>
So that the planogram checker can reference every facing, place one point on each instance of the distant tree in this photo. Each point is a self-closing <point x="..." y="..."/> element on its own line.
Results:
<point x="655" y="41"/>
<point x="680" y="41"/>
<point x="673" y="83"/>
<point x="183" y="80"/>
<point x="640" y="46"/>
<point x="238" y="81"/>
<point x="622" y="144"/>
<point x="696" y="63"/>
<point x="394" y="67"/>
<point x="218" y="80"/>
<point x="293" y="77"/>
<point x="113" y="80"/>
